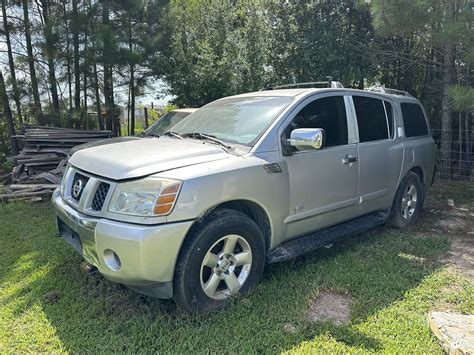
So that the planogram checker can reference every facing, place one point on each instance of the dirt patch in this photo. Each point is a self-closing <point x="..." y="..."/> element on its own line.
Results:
<point x="52" y="297"/>
<point x="289" y="328"/>
<point x="451" y="224"/>
<point x="457" y="224"/>
<point x="332" y="307"/>
<point x="461" y="255"/>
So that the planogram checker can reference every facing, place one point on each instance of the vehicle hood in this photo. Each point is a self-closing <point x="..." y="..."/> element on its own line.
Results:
<point x="136" y="158"/>
<point x="100" y="142"/>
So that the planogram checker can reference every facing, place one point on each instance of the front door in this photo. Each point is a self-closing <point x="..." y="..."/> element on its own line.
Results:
<point x="323" y="183"/>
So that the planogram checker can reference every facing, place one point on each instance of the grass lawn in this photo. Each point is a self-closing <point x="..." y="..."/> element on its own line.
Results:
<point x="48" y="302"/>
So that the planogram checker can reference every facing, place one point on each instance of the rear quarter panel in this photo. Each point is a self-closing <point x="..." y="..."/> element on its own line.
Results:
<point x="418" y="151"/>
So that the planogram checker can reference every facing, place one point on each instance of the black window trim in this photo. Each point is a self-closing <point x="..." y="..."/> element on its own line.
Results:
<point x="383" y="99"/>
<point x="306" y="101"/>
<point x="394" y="132"/>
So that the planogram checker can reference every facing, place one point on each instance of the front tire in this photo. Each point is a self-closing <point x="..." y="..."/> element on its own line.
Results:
<point x="223" y="257"/>
<point x="408" y="201"/>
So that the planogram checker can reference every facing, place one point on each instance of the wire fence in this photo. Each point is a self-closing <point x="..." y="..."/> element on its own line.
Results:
<point x="456" y="160"/>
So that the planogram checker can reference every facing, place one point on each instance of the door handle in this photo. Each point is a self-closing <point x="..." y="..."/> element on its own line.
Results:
<point x="349" y="159"/>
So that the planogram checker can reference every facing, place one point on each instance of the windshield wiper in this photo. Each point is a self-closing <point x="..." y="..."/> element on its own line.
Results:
<point x="172" y="134"/>
<point x="208" y="137"/>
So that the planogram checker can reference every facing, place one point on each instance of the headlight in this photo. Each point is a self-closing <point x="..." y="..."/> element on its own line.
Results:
<point x="147" y="197"/>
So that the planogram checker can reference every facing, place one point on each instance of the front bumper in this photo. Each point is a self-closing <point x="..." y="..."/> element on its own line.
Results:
<point x="146" y="254"/>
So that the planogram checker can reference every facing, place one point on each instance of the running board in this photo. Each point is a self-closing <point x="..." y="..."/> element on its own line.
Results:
<point x="308" y="243"/>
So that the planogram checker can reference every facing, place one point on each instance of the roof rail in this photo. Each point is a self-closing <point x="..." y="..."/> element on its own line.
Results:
<point x="309" y="84"/>
<point x="382" y="89"/>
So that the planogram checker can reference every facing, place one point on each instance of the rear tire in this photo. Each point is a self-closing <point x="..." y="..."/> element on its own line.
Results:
<point x="408" y="201"/>
<point x="222" y="258"/>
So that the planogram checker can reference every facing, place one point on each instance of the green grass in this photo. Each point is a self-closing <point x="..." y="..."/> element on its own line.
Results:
<point x="49" y="303"/>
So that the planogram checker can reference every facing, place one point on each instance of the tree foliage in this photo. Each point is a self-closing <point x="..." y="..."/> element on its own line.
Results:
<point x="72" y="59"/>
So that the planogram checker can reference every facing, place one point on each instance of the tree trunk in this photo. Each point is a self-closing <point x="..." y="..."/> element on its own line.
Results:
<point x="460" y="142"/>
<point x="11" y="63"/>
<point x="75" y="43"/>
<point x="68" y="67"/>
<point x="31" y="62"/>
<point x="97" y="97"/>
<point x="108" y="77"/>
<point x="96" y="77"/>
<point x="132" y="80"/>
<point x="48" y="33"/>
<point x="128" y="112"/>
<point x="467" y="146"/>
<point x="132" y="100"/>
<point x="146" y="116"/>
<point x="446" y="118"/>
<point x="115" y="118"/>
<point x="8" y="115"/>
<point x="85" y="80"/>
<point x="85" y="68"/>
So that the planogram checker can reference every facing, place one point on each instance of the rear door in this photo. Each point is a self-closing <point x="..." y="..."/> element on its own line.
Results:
<point x="380" y="152"/>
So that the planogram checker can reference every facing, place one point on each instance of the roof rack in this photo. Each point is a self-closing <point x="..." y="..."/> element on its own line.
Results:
<point x="309" y="84"/>
<point x="382" y="89"/>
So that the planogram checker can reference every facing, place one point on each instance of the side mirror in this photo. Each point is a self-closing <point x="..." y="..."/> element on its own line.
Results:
<point x="307" y="138"/>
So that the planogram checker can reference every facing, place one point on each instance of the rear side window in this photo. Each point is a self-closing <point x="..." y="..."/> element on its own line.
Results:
<point x="328" y="113"/>
<point x="371" y="119"/>
<point x="414" y="120"/>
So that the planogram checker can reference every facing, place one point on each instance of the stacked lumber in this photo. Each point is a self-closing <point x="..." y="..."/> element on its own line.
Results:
<point x="39" y="166"/>
<point x="30" y="192"/>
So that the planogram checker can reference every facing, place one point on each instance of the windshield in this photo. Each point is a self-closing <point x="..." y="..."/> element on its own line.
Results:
<point x="165" y="123"/>
<point x="235" y="120"/>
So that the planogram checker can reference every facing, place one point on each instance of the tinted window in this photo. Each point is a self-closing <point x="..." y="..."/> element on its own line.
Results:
<point x="328" y="113"/>
<point x="371" y="119"/>
<point x="389" y="110"/>
<point x="414" y="120"/>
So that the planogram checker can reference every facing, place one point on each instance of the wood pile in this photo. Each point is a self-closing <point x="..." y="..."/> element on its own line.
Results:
<point x="39" y="166"/>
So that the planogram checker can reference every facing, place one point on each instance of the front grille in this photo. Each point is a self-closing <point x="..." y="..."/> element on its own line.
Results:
<point x="78" y="184"/>
<point x="100" y="195"/>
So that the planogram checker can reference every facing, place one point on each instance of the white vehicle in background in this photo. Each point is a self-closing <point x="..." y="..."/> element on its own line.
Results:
<point x="168" y="121"/>
<point x="159" y="127"/>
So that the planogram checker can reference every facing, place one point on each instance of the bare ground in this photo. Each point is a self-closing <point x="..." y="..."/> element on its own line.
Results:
<point x="455" y="221"/>
<point x="329" y="306"/>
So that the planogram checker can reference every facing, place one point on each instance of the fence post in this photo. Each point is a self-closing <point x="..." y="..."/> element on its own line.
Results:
<point x="146" y="117"/>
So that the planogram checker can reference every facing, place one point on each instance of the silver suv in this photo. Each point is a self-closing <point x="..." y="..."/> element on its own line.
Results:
<point x="196" y="213"/>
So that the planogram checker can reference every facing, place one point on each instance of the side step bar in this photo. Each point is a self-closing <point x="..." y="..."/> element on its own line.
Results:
<point x="308" y="243"/>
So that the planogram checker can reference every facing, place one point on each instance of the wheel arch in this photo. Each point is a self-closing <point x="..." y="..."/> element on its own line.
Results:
<point x="255" y="212"/>
<point x="418" y="170"/>
<point x="250" y="208"/>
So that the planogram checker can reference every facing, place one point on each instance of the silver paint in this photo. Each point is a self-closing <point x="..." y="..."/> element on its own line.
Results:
<point x="315" y="188"/>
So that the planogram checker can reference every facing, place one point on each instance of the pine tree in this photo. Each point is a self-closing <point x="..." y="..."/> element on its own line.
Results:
<point x="11" y="63"/>
<point x="31" y="62"/>
<point x="8" y="115"/>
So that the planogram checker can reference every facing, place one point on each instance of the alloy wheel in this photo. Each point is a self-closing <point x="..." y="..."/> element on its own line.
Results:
<point x="226" y="267"/>
<point x="409" y="200"/>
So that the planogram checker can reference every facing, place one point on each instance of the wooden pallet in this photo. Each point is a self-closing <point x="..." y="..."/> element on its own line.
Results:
<point x="41" y="162"/>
